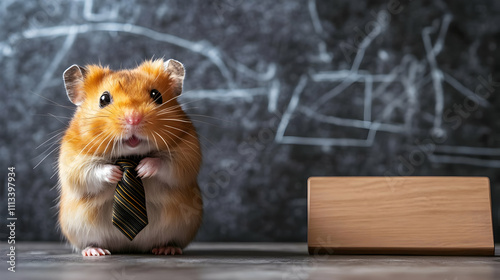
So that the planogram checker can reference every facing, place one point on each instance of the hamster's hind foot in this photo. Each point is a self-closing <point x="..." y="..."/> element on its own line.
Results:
<point x="167" y="250"/>
<point x="95" y="252"/>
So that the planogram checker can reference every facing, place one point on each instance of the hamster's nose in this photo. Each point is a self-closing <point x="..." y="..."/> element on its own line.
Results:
<point x="133" y="118"/>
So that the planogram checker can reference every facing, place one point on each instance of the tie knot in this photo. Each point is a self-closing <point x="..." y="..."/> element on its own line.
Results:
<point x="128" y="163"/>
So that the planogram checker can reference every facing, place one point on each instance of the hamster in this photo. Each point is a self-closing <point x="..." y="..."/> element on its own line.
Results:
<point x="129" y="113"/>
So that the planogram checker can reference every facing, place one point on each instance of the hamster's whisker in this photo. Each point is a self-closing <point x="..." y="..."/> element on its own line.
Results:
<point x="187" y="121"/>
<point x="178" y="129"/>
<point x="112" y="152"/>
<point x="176" y="120"/>
<point x="175" y="109"/>
<point x="107" y="109"/>
<point x="51" y="145"/>
<point x="190" y="101"/>
<point x="45" y="157"/>
<point x="54" y="103"/>
<point x="109" y="142"/>
<point x="102" y="142"/>
<point x="56" y="169"/>
<point x="177" y="113"/>
<point x="210" y="117"/>
<point x="90" y="143"/>
<point x="182" y="105"/>
<point x="165" y="103"/>
<point x="182" y="139"/>
<point x="194" y="136"/>
<point x="189" y="144"/>
<point x="200" y="99"/>
<point x="156" y="142"/>
<point x="61" y="129"/>
<point x="58" y="134"/>
<point x="100" y="110"/>
<point x="181" y="150"/>
<point x="96" y="117"/>
<point x="149" y="145"/>
<point x="170" y="87"/>
<point x="167" y="109"/>
<point x="164" y="113"/>
<point x="168" y="148"/>
<point x="45" y="151"/>
<point x="178" y="137"/>
<point x="190" y="117"/>
<point x="119" y="147"/>
<point x="56" y="143"/>
<point x="52" y="176"/>
<point x="84" y="130"/>
<point x="54" y="116"/>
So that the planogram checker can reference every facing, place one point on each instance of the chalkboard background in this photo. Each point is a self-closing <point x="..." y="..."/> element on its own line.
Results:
<point x="279" y="91"/>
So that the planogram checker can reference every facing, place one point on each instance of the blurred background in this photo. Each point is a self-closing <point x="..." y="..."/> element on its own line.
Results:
<point x="278" y="90"/>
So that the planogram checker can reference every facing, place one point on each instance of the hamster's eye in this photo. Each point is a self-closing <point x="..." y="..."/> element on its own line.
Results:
<point x="156" y="96"/>
<point x="105" y="99"/>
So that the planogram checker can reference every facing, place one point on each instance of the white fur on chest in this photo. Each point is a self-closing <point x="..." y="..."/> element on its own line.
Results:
<point x="159" y="231"/>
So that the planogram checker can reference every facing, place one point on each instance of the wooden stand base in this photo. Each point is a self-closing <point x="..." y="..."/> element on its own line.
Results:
<point x="400" y="215"/>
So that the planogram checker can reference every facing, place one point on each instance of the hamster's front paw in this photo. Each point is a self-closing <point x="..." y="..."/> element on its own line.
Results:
<point x="109" y="173"/>
<point x="148" y="167"/>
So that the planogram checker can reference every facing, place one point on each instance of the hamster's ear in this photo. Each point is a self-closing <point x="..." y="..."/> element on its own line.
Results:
<point x="176" y="71"/>
<point x="73" y="80"/>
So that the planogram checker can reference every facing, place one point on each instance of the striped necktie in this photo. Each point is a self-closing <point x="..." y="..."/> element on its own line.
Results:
<point x="129" y="205"/>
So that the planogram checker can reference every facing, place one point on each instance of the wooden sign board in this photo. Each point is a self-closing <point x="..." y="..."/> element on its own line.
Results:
<point x="400" y="215"/>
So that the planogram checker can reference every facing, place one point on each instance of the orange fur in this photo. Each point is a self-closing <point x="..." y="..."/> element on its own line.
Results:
<point x="90" y="120"/>
<point x="91" y="141"/>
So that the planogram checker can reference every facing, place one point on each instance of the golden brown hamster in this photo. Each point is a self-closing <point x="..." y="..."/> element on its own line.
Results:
<point x="129" y="113"/>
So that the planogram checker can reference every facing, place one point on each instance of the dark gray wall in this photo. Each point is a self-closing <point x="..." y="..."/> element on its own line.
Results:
<point x="279" y="91"/>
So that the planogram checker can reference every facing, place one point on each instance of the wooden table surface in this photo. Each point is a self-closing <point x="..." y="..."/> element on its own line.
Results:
<point x="239" y="261"/>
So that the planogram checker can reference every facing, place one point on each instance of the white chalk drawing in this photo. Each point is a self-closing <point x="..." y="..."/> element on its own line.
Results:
<point x="225" y="65"/>
<point x="410" y="74"/>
